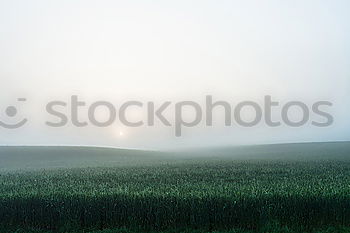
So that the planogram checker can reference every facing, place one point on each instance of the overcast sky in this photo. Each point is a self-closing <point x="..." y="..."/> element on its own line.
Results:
<point x="173" y="50"/>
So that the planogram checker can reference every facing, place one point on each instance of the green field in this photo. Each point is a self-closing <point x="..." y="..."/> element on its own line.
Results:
<point x="272" y="188"/>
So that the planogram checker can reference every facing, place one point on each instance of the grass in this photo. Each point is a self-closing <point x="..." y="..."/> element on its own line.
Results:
<point x="182" y="195"/>
<point x="268" y="229"/>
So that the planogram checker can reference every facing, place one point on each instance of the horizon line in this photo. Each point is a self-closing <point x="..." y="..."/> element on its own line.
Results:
<point x="165" y="150"/>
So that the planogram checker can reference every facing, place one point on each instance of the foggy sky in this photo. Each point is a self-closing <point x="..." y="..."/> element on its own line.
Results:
<point x="173" y="51"/>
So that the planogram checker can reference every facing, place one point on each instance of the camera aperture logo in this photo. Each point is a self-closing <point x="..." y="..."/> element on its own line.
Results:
<point x="233" y="114"/>
<point x="11" y="111"/>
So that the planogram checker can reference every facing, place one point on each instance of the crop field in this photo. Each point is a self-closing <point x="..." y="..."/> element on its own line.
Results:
<point x="187" y="194"/>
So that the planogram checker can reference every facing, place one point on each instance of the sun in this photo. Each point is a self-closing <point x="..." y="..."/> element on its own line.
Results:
<point x="119" y="133"/>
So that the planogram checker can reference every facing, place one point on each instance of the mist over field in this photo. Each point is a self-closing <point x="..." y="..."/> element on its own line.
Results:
<point x="184" y="116"/>
<point x="27" y="158"/>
